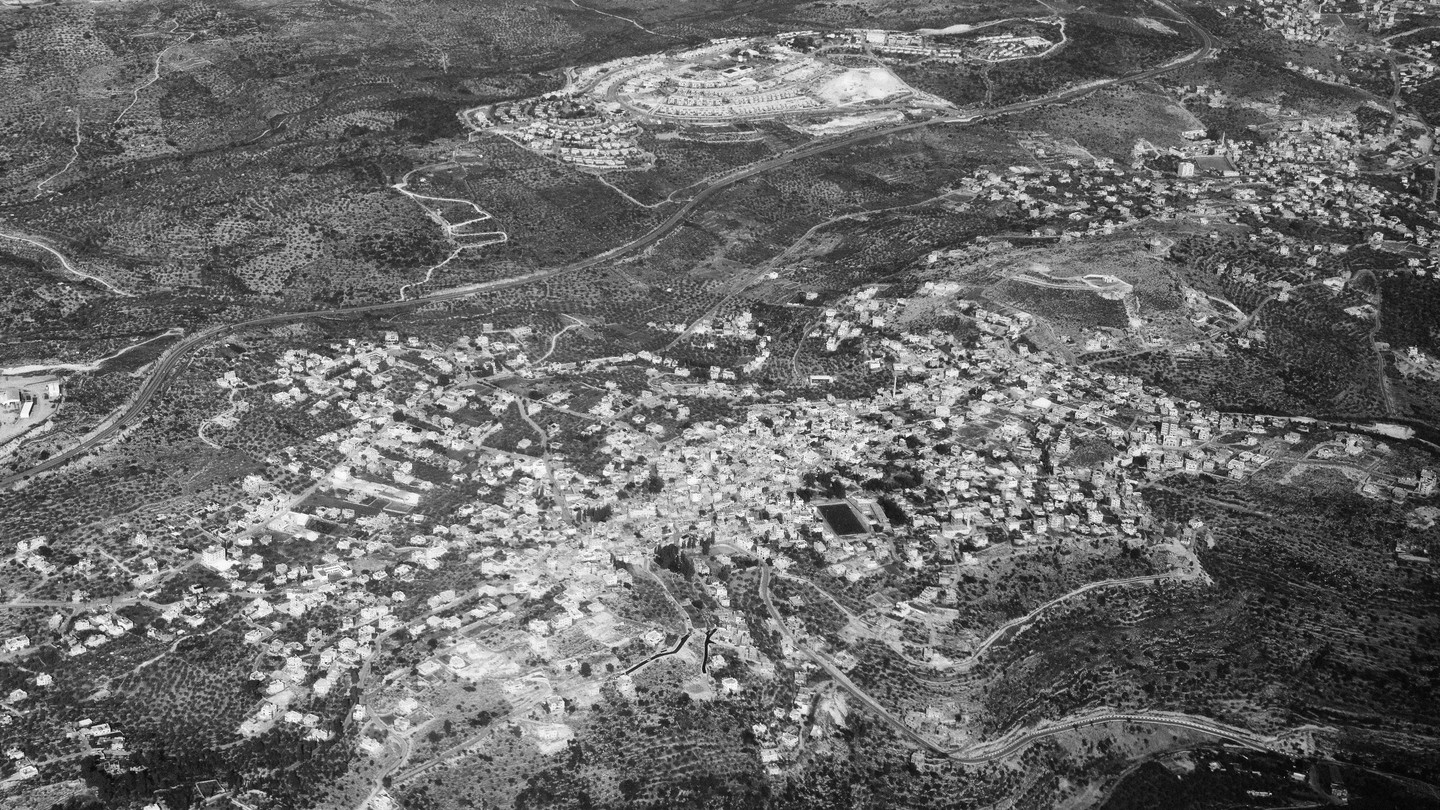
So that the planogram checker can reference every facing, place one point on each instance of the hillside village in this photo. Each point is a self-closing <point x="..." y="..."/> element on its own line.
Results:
<point x="970" y="448"/>
<point x="852" y="457"/>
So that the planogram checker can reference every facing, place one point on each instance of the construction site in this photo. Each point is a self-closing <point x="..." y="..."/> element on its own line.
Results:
<point x="594" y="121"/>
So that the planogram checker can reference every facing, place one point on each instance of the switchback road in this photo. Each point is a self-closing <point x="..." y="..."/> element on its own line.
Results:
<point x="165" y="368"/>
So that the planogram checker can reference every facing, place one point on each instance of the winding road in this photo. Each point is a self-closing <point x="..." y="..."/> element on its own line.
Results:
<point x="165" y="368"/>
<point x="1015" y="740"/>
<point x="64" y="262"/>
<point x="957" y="669"/>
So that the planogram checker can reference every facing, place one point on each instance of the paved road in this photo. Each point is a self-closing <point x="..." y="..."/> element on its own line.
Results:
<point x="1028" y="739"/>
<point x="165" y="368"/>
<point x="64" y="262"/>
<point x="1024" y="622"/>
<point x="1014" y="742"/>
